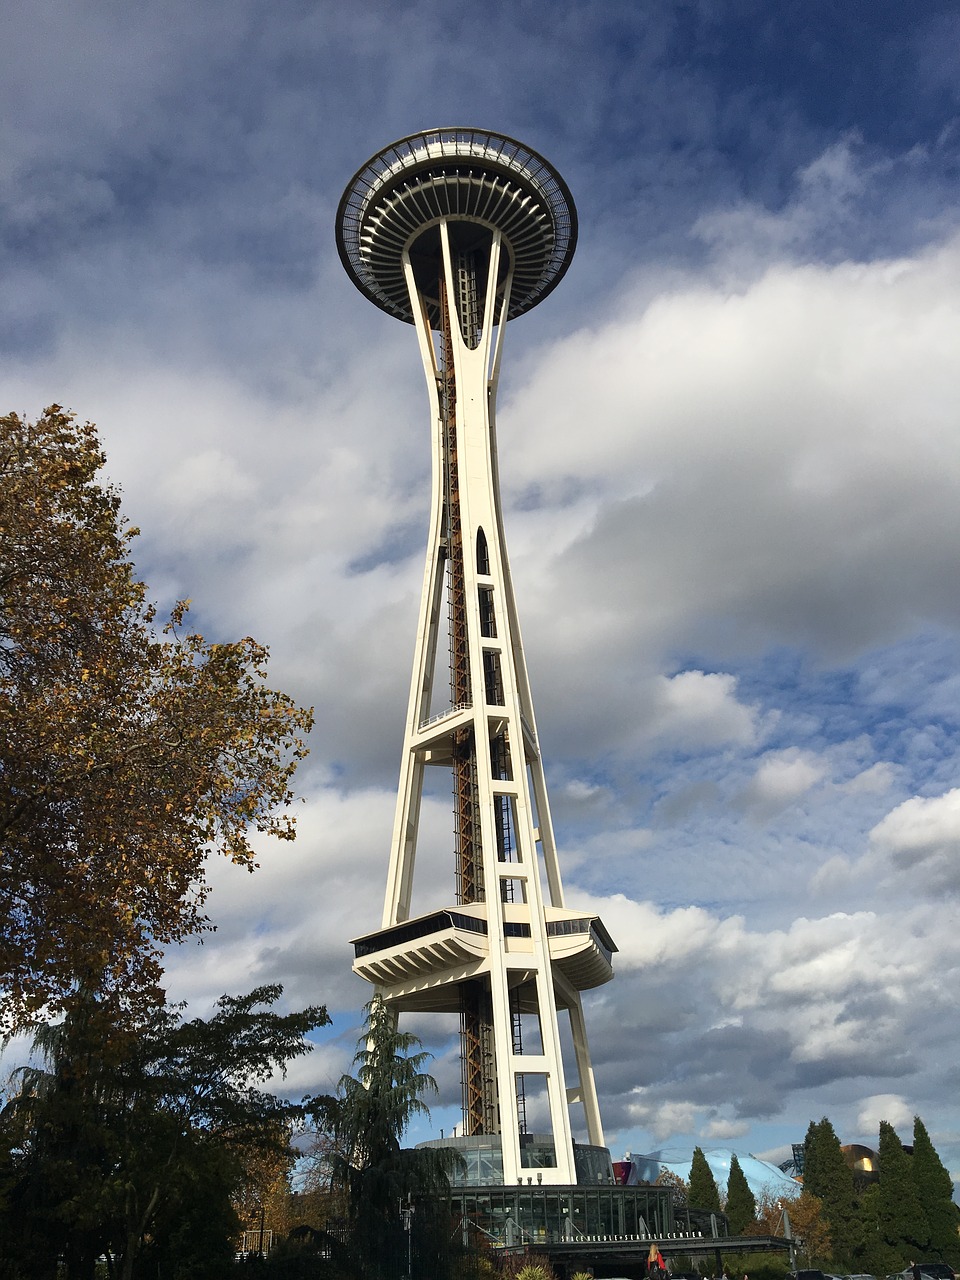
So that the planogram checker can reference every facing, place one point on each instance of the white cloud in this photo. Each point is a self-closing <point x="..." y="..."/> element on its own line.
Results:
<point x="203" y="477"/>
<point x="700" y="710"/>
<point x="721" y="1130"/>
<point x="662" y="1120"/>
<point x="610" y="846"/>
<point x="921" y="837"/>
<point x="703" y="1008"/>
<point x="885" y="1106"/>
<point x="647" y="936"/>
<point x="877" y="778"/>
<point x="782" y="778"/>
<point x="772" y="490"/>
<point x="836" y="874"/>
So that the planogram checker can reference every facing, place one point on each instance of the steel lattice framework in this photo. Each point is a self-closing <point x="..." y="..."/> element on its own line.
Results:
<point x="456" y="231"/>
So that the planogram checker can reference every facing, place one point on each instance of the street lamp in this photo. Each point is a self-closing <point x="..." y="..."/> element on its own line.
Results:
<point x="406" y="1217"/>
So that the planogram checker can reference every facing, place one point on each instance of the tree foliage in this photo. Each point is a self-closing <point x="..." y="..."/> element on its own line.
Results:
<point x="741" y="1205"/>
<point x="827" y="1176"/>
<point x="134" y="1140"/>
<point x="680" y="1189"/>
<point x="901" y="1221"/>
<point x="264" y="1196"/>
<point x="907" y="1212"/>
<point x="808" y="1226"/>
<point x="126" y="753"/>
<point x="934" y="1188"/>
<point x="371" y="1113"/>
<point x="703" y="1192"/>
<point x="527" y="1266"/>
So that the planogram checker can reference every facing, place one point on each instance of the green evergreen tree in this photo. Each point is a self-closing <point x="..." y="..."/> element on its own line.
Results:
<point x="703" y="1193"/>
<point x="901" y="1221"/>
<point x="369" y="1118"/>
<point x="935" y="1192"/>
<point x="827" y="1176"/>
<point x="877" y="1257"/>
<point x="741" y="1207"/>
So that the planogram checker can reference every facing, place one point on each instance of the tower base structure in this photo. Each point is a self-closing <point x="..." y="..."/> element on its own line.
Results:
<point x="457" y="231"/>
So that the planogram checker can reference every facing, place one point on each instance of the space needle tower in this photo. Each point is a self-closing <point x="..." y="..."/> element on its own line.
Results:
<point x="457" y="231"/>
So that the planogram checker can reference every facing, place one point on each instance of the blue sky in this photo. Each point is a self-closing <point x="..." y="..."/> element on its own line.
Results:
<point x="730" y="463"/>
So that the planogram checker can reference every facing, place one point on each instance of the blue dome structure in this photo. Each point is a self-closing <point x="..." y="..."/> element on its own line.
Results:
<point x="763" y="1178"/>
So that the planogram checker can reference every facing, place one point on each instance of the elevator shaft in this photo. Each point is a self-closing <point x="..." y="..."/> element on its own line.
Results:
<point x="478" y="1074"/>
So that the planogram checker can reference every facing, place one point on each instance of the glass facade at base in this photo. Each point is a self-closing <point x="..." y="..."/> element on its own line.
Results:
<point x="525" y="1215"/>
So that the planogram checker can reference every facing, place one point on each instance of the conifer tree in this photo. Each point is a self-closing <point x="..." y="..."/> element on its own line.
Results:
<point x="703" y="1192"/>
<point x="827" y="1176"/>
<point x="877" y="1257"/>
<point x="901" y="1220"/>
<point x="369" y="1117"/>
<point x="741" y="1209"/>
<point x="935" y="1192"/>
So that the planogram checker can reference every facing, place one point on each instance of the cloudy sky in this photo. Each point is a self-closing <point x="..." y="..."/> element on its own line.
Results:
<point x="731" y="470"/>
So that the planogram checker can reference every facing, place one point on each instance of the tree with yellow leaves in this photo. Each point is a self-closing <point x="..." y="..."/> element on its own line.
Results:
<point x="809" y="1227"/>
<point x="127" y="751"/>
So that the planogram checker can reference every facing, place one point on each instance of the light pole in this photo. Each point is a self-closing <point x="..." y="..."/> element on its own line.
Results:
<point x="406" y="1216"/>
